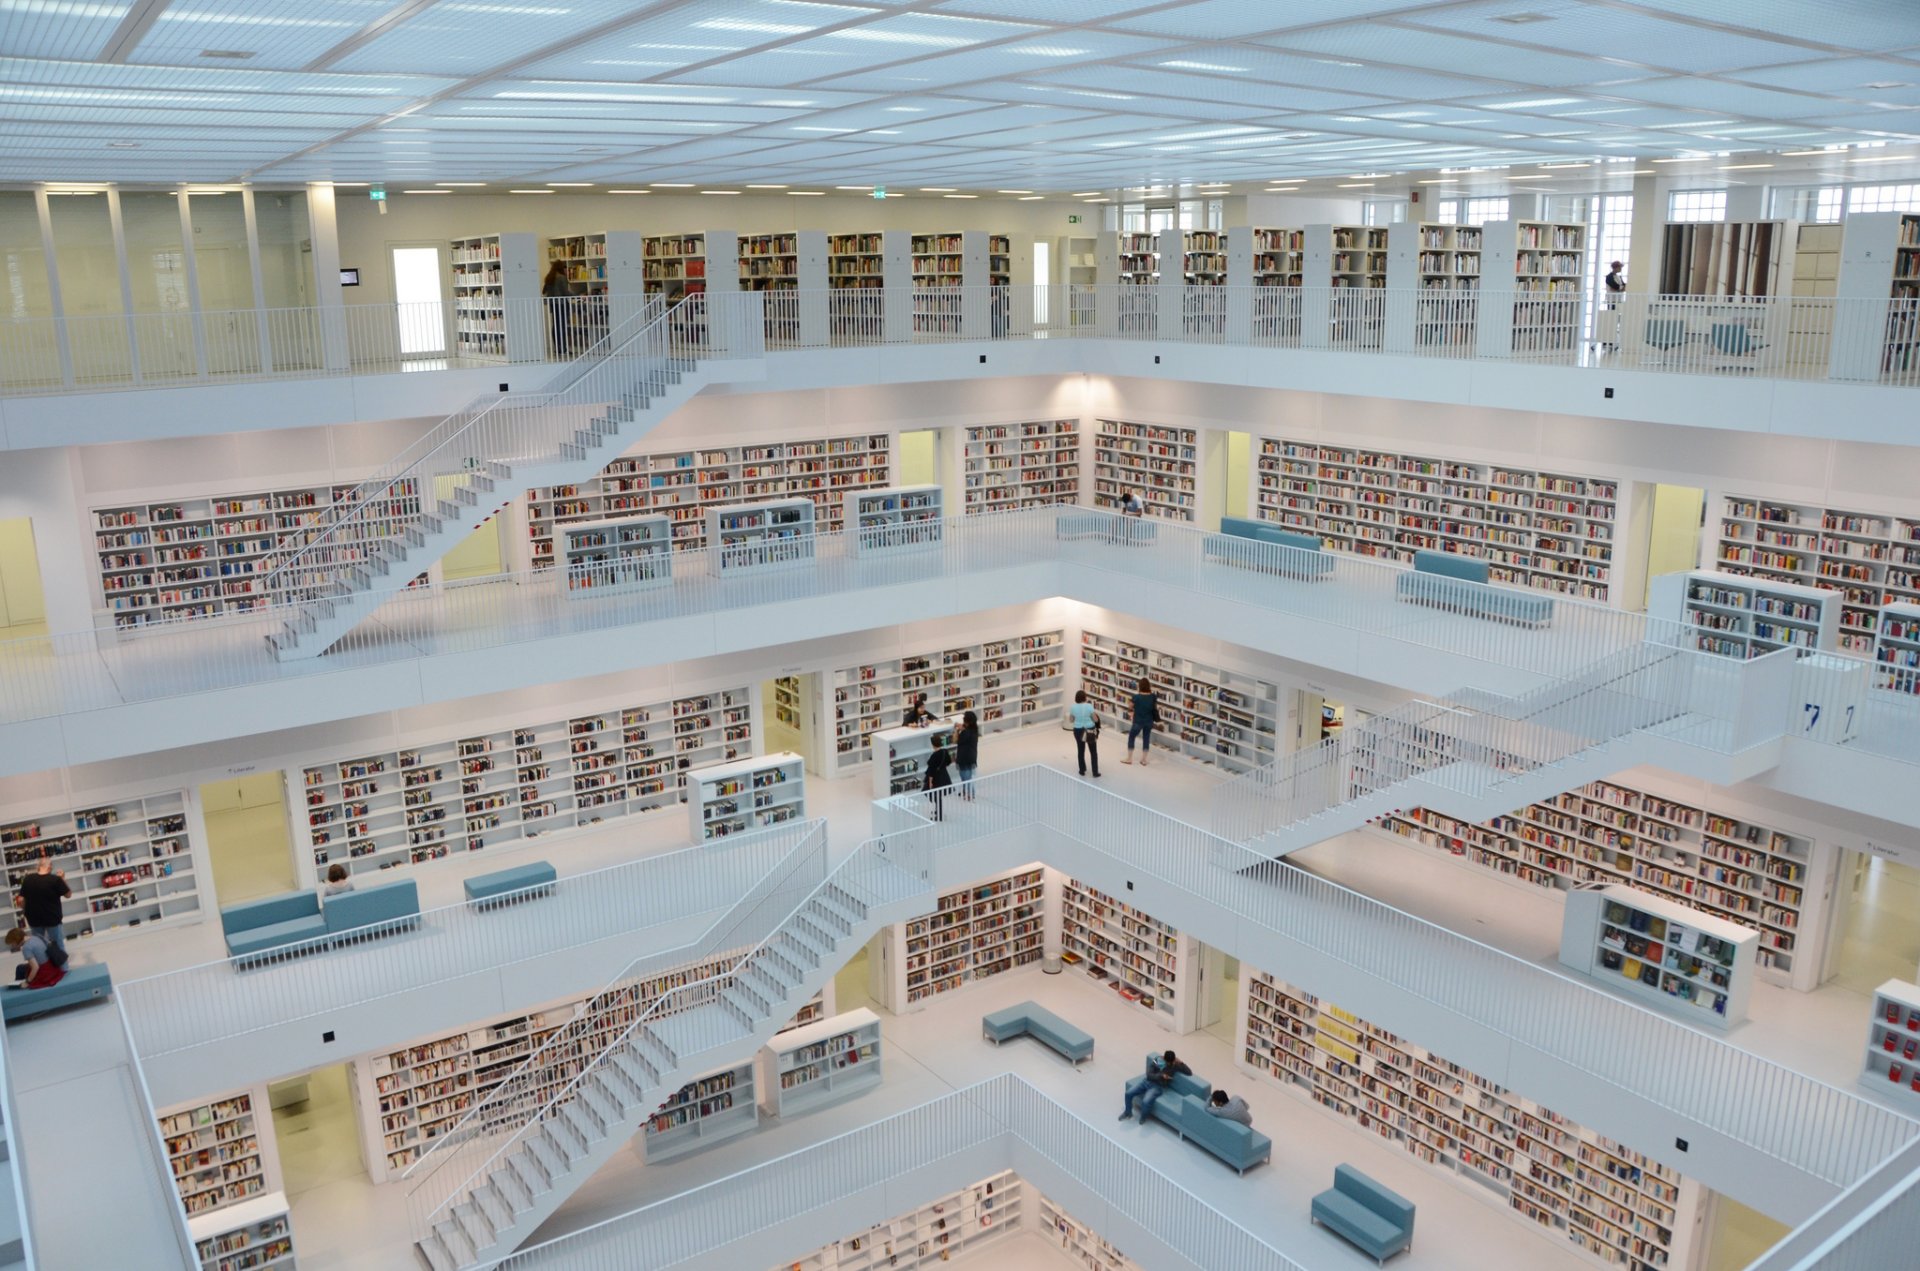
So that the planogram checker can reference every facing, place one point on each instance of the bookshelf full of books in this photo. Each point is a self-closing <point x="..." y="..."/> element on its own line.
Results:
<point x="683" y="484"/>
<point x="1876" y="326"/>
<point x="1359" y="257"/>
<point x="1726" y="866"/>
<point x="1892" y="1065"/>
<point x="1130" y="261"/>
<point x="901" y="754"/>
<point x="496" y="296"/>
<point x="1010" y="466"/>
<point x="831" y="1059"/>
<point x="1009" y="682"/>
<point x="1276" y="267"/>
<point x="746" y="794"/>
<point x="1533" y="287"/>
<point x="746" y="538"/>
<point x="1743" y="616"/>
<point x="129" y="862"/>
<point x="389" y="809"/>
<point x="704" y="1113"/>
<point x="1161" y="463"/>
<point x="1660" y="951"/>
<point x="1552" y="531"/>
<point x="945" y="1229"/>
<point x="1442" y="263"/>
<point x="974" y="933"/>
<point x="1867" y="559"/>
<point x="792" y="267"/>
<point x="862" y="270"/>
<point x="1610" y="1201"/>
<point x="939" y="275"/>
<point x="221" y="1150"/>
<point x="677" y="265"/>
<point x="895" y="519"/>
<point x="602" y="556"/>
<point x="1204" y="275"/>
<point x="598" y="268"/>
<point x="1896" y="649"/>
<point x="173" y="560"/>
<point x="1130" y="951"/>
<point x="253" y="1235"/>
<point x="1079" y="1244"/>
<point x="1207" y="713"/>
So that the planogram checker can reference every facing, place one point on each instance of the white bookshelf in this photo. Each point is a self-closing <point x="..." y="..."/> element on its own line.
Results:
<point x="770" y="262"/>
<point x="621" y="555"/>
<point x="900" y="755"/>
<point x="748" y="794"/>
<point x="862" y="270"/>
<point x="1711" y="862"/>
<point x="253" y="1235"/>
<point x="177" y="559"/>
<point x="1008" y="683"/>
<point x="1553" y="531"/>
<point x="894" y="519"/>
<point x="1078" y="1243"/>
<point x="704" y="1113"/>
<point x="604" y="270"/>
<point x="1616" y="1204"/>
<point x="1131" y="263"/>
<point x="1892" y="1064"/>
<point x="1207" y="713"/>
<point x="675" y="265"/>
<point x="496" y="289"/>
<point x="1660" y="951"/>
<point x="826" y="1061"/>
<point x="1879" y="262"/>
<point x="950" y="274"/>
<point x="1161" y="463"/>
<point x="1896" y="649"/>
<point x="1737" y="616"/>
<point x="1275" y="261"/>
<point x="1128" y="950"/>
<point x="748" y="537"/>
<point x="388" y="809"/>
<point x="787" y="703"/>
<point x="1012" y="466"/>
<point x="1533" y="287"/>
<point x="974" y="933"/>
<point x="1279" y="256"/>
<point x="683" y="484"/>
<point x="1868" y="559"/>
<point x="818" y="1007"/>
<point x="129" y="863"/>
<point x="221" y="1150"/>
<point x="1441" y="261"/>
<point x="956" y="1225"/>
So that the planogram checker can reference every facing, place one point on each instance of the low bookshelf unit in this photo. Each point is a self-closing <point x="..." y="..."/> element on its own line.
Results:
<point x="827" y="1061"/>
<point x="748" y="794"/>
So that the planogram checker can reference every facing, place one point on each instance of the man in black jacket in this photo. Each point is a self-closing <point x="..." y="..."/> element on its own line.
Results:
<point x="1147" y="1088"/>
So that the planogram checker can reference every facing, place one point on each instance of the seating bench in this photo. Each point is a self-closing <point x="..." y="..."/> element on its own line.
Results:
<point x="1460" y="584"/>
<point x="1378" y="1221"/>
<point x="1033" y="1020"/>
<point x="1239" y="540"/>
<point x="509" y="886"/>
<point x="80" y="984"/>
<point x="255" y="928"/>
<point x="1241" y="1146"/>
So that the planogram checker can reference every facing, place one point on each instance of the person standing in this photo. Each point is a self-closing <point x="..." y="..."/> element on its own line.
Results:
<point x="557" y="291"/>
<point x="1146" y="713"/>
<point x="1086" y="732"/>
<point x="936" y="781"/>
<point x="39" y="902"/>
<point x="966" y="752"/>
<point x="1609" y="325"/>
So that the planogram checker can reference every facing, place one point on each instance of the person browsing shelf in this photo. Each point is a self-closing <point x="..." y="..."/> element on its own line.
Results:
<point x="1147" y="1088"/>
<point x="41" y="966"/>
<point x="1132" y="504"/>
<point x="966" y="752"/>
<point x="936" y="781"/>
<point x="338" y="880"/>
<point x="917" y="712"/>
<point x="1086" y="732"/>
<point x="1146" y="713"/>
<point x="556" y="290"/>
<point x="1230" y="1108"/>
<point x="39" y="902"/>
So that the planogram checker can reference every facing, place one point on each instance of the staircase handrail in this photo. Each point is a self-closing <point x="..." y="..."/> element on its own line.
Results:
<point x="327" y="523"/>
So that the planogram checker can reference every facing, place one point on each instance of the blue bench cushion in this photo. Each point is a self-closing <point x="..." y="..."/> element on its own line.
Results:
<point x="269" y="911"/>
<point x="1297" y="559"/>
<point x="1448" y="565"/>
<point x="1498" y="603"/>
<point x="1268" y="532"/>
<point x="1389" y="1204"/>
<point x="1372" y="1232"/>
<point x="369" y="905"/>
<point x="1036" y="1021"/>
<point x="275" y="934"/>
<point x="500" y="882"/>
<point x="1240" y="1146"/>
<point x="81" y="984"/>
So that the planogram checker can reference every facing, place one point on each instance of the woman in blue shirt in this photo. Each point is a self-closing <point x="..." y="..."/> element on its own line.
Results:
<point x="1086" y="732"/>
<point x="1146" y="713"/>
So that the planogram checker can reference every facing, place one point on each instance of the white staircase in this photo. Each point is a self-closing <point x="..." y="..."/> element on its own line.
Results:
<point x="516" y="1156"/>
<point x="354" y="556"/>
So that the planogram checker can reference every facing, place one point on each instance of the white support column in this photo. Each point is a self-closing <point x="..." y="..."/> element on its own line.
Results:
<point x="259" y="284"/>
<point x="1240" y="286"/>
<point x="1403" y="284"/>
<point x="323" y="227"/>
<point x="811" y="247"/>
<point x="1316" y="295"/>
<point x="1499" y="247"/>
<point x="1172" y="246"/>
<point x="197" y="314"/>
<point x="119" y="225"/>
<point x="61" y="343"/>
<point x="896" y="265"/>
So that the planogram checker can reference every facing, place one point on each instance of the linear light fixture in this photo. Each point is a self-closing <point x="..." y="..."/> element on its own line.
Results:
<point x="936" y="189"/>
<point x="462" y="184"/>
<point x="629" y="191"/>
<point x="808" y="194"/>
<point x="766" y="187"/>
<point x="571" y="185"/>
<point x="426" y="191"/>
<point x="719" y="191"/>
<point x="1030" y="198"/>
<point x="529" y="191"/>
<point x="670" y="185"/>
<point x="1742" y="167"/>
<point x="959" y="196"/>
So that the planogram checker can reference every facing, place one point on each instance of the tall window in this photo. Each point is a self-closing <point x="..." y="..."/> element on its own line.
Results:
<point x="1382" y="211"/>
<point x="1609" y="222"/>
<point x="1818" y="203"/>
<point x="1883" y="198"/>
<point x="1697" y="205"/>
<point x="1472" y="211"/>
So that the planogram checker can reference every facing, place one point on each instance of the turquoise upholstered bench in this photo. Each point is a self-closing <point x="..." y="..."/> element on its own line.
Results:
<point x="1459" y="584"/>
<point x="1239" y="543"/>
<point x="1378" y="1221"/>
<point x="261" y="926"/>
<point x="388" y="908"/>
<point x="87" y="983"/>
<point x="1241" y="1146"/>
<point x="1033" y="1020"/>
<point x="509" y="886"/>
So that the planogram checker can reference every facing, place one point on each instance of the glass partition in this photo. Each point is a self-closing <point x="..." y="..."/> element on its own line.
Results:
<point x="29" y="353"/>
<point x="157" y="269"/>
<point x="286" y="278"/>
<point x="225" y="273"/>
<point x="89" y="271"/>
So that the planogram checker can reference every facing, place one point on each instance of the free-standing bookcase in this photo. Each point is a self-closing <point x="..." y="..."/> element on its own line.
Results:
<point x="1655" y="949"/>
<point x="1892" y="1065"/>
<point x="1130" y="262"/>
<point x="894" y="519"/>
<point x="1441" y="262"/>
<point x="1896" y="649"/>
<point x="676" y="265"/>
<point x="253" y="1235"/>
<point x="1741" y="617"/>
<point x="1877" y="330"/>
<point x="974" y="933"/>
<point x="1207" y="713"/>
<point x="792" y="268"/>
<point x="746" y="537"/>
<point x="1866" y="558"/>
<point x="605" y="273"/>
<point x="900" y="756"/>
<point x="221" y="1150"/>
<point x="129" y="863"/>
<point x="704" y="1113"/>
<point x="956" y="1225"/>
<point x="620" y="554"/>
<point x="1130" y="951"/>
<point x="1161" y="463"/>
<point x="827" y="1061"/>
<point x="748" y="794"/>
<point x="1532" y="288"/>
<point x="1012" y="466"/>
<point x="1275" y="264"/>
<point x="496" y="292"/>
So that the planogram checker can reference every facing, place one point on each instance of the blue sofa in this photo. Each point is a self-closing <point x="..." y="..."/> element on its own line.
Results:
<point x="1459" y="584"/>
<point x="254" y="928"/>
<point x="1030" y="1019"/>
<point x="1241" y="1146"/>
<point x="87" y="983"/>
<point x="393" y="906"/>
<point x="1376" y="1220"/>
<point x="1239" y="543"/>
<point x="510" y="886"/>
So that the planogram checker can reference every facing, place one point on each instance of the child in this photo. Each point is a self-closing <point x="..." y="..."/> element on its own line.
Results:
<point x="937" y="780"/>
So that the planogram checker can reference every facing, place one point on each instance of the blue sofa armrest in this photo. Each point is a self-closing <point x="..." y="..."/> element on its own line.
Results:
<point x="87" y="983"/>
<point x="506" y="885"/>
<point x="269" y="911"/>
<point x="388" y="903"/>
<point x="1241" y="1146"/>
<point x="1467" y="569"/>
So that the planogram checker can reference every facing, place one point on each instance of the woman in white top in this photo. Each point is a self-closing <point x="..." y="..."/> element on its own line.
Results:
<point x="1086" y="732"/>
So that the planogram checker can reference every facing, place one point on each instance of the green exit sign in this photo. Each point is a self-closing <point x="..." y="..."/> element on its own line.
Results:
<point x="1073" y="220"/>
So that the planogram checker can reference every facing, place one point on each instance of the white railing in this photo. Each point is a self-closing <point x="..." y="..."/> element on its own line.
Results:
<point x="888" y="1159"/>
<point x="212" y="1003"/>
<point x="1872" y="1225"/>
<point x="13" y="1191"/>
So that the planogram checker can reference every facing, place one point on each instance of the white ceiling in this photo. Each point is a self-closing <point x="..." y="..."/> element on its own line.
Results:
<point x="1043" y="95"/>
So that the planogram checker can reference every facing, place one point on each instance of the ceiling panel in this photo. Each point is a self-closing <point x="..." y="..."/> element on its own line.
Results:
<point x="1235" y="19"/>
<point x="1871" y="25"/>
<point x="275" y="34"/>
<point x="59" y="30"/>
<point x="1383" y="46"/>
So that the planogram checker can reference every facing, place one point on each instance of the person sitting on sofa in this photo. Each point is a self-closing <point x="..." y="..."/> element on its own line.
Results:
<point x="42" y="966"/>
<point x="1230" y="1109"/>
<point x="338" y="880"/>
<point x="1147" y="1088"/>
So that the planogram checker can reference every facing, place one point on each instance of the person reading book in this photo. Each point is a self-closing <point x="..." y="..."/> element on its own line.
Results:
<point x="1147" y="1088"/>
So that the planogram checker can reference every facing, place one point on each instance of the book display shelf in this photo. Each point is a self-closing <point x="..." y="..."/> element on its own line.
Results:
<point x="1012" y="466"/>
<point x="495" y="284"/>
<point x="1078" y="1243"/>
<point x="392" y="808"/>
<point x="254" y="1235"/>
<point x="818" y="1007"/>
<point x="1868" y="559"/>
<point x="585" y="258"/>
<point x="1359" y="256"/>
<point x="1605" y="1198"/>
<point x="748" y="537"/>
<point x="786" y="700"/>
<point x="747" y="794"/>
<point x="599" y="266"/>
<point x="704" y="1113"/>
<point x="1552" y="531"/>
<point x="901" y="756"/>
<point x="1449" y="257"/>
<point x="950" y="275"/>
<point x="770" y="262"/>
<point x="1207" y="713"/>
<point x="128" y="863"/>
<point x="1204" y="265"/>
<point x="1548" y="285"/>
<point x="221" y="1151"/>
<point x="1709" y="862"/>
<point x="1896" y="649"/>
<point x="1163" y="464"/>
<point x="1877" y="331"/>
<point x="1737" y="616"/>
<point x="1008" y="683"/>
<point x="1656" y="949"/>
<point x="795" y="261"/>
<point x="201" y="557"/>
<point x="1132" y="260"/>
<point x="1276" y="259"/>
<point x="974" y="933"/>
<point x="1892" y="1064"/>
<point x="860" y="268"/>
<point x="676" y="265"/>
<point x="896" y="518"/>
<point x="1278" y="256"/>
<point x="827" y="1061"/>
<point x="953" y="1226"/>
<point x="621" y="555"/>
<point x="1442" y="262"/>
<point x="1139" y="957"/>
<point x="683" y="484"/>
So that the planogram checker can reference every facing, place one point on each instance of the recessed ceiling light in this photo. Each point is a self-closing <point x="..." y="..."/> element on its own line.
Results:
<point x="1087" y="195"/>
<point x="853" y="187"/>
<point x="1523" y="19"/>
<point x="629" y="191"/>
<point x="1013" y="191"/>
<point x="936" y="189"/>
<point x="350" y="185"/>
<point x="671" y="185"/>
<point x="808" y="194"/>
<point x="529" y="191"/>
<point x="1698" y="158"/>
<point x="461" y="184"/>
<point x="1742" y="167"/>
<point x="1355" y="185"/>
<point x="959" y="196"/>
<point x="1099" y="200"/>
<point x="426" y="191"/>
<point x="719" y="191"/>
<point x="229" y="55"/>
<point x="766" y="187"/>
<point x="1797" y="153"/>
<point x="1884" y="158"/>
<point x="571" y="185"/>
<point x="1030" y="198"/>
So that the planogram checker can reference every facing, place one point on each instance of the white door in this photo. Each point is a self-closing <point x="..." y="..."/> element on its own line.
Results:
<point x="417" y="297"/>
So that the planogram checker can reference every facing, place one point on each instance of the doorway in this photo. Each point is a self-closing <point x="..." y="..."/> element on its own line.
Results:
<point x="481" y="554"/>
<point x="1876" y="922"/>
<point x="23" y="607"/>
<point x="318" y="1133"/>
<point x="920" y="457"/>
<point x="787" y="712"/>
<point x="1220" y="993"/>
<point x="1239" y="460"/>
<point x="417" y="297"/>
<point x="1673" y="534"/>
<point x="1042" y="280"/>
<point x="248" y="843"/>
